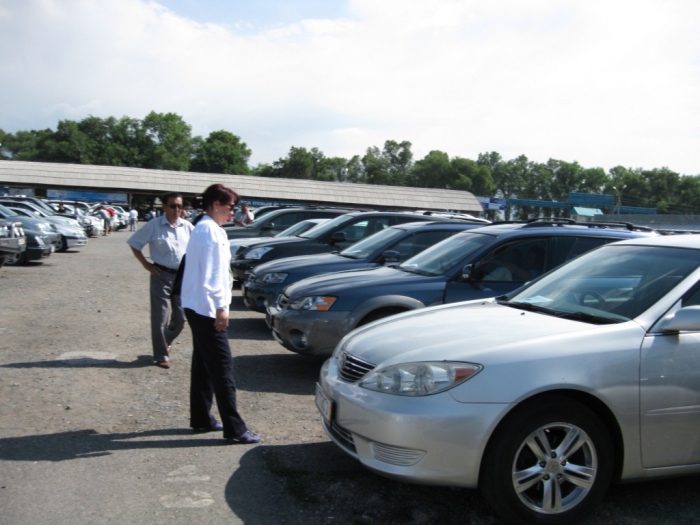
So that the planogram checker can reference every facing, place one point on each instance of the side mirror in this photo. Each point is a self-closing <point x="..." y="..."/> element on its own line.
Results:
<point x="391" y="256"/>
<point x="467" y="272"/>
<point x="269" y="226"/>
<point x="684" y="320"/>
<point x="338" y="237"/>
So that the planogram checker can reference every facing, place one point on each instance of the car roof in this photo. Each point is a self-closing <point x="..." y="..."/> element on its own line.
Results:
<point x="456" y="224"/>
<point x="690" y="241"/>
<point x="567" y="227"/>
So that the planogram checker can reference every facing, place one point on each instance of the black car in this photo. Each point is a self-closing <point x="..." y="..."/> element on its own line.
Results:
<point x="276" y="221"/>
<point x="38" y="247"/>
<point x="335" y="235"/>
<point x="389" y="246"/>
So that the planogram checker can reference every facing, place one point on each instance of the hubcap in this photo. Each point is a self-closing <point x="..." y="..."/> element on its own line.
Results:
<point x="554" y="468"/>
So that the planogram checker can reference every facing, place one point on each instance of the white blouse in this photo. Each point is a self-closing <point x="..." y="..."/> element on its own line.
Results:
<point x="207" y="280"/>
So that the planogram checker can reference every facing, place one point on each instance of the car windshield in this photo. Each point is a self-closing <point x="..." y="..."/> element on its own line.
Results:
<point x="322" y="229"/>
<point x="8" y="212"/>
<point x="371" y="244"/>
<point x="443" y="256"/>
<point x="615" y="283"/>
<point x="297" y="229"/>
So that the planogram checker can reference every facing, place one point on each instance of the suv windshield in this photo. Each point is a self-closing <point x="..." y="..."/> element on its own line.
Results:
<point x="615" y="283"/>
<point x="369" y="245"/>
<point x="442" y="257"/>
<point x="8" y="212"/>
<point x="319" y="231"/>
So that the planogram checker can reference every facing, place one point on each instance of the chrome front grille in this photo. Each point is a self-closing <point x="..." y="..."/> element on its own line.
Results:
<point x="353" y="368"/>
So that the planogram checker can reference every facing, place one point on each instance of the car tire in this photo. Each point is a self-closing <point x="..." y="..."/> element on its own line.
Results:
<point x="15" y="259"/>
<point x="62" y="244"/>
<point x="550" y="462"/>
<point x="3" y="258"/>
<point x="379" y="314"/>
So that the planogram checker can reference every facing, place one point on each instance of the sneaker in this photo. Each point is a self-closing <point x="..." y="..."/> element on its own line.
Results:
<point x="246" y="438"/>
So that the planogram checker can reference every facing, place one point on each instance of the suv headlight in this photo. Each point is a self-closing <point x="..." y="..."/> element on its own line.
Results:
<point x="273" y="278"/>
<point x="256" y="253"/>
<point x="317" y="303"/>
<point x="419" y="379"/>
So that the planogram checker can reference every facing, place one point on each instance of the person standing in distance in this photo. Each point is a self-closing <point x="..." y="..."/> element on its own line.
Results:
<point x="133" y="219"/>
<point x="167" y="237"/>
<point x="206" y="297"/>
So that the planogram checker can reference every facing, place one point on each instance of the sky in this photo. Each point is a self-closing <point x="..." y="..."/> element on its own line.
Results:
<point x="602" y="82"/>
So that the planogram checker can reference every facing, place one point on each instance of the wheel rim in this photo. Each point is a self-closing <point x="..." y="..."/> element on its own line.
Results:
<point x="555" y="468"/>
<point x="13" y="259"/>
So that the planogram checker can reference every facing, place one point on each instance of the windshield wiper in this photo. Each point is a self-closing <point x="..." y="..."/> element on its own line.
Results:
<point x="586" y="317"/>
<point x="529" y="307"/>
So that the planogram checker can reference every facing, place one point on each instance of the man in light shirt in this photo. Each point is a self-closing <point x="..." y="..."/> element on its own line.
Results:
<point x="167" y="237"/>
<point x="133" y="218"/>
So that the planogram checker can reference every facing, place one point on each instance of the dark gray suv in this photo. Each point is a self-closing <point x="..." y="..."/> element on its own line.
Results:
<point x="312" y="315"/>
<point x="389" y="246"/>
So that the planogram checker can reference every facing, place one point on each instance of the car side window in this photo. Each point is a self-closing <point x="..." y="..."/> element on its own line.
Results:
<point x="364" y="228"/>
<point x="694" y="298"/>
<point x="518" y="261"/>
<point x="416" y="243"/>
<point x="580" y="245"/>
<point x="285" y="220"/>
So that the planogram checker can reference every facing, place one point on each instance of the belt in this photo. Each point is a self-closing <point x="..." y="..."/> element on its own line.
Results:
<point x="164" y="268"/>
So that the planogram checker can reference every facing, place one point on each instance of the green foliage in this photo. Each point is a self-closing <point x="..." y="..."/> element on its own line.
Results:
<point x="164" y="141"/>
<point x="220" y="152"/>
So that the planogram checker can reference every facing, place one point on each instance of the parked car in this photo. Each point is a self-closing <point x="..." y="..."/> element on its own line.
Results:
<point x="38" y="247"/>
<point x="68" y="236"/>
<point x="541" y="399"/>
<point x="12" y="239"/>
<point x="312" y="315"/>
<point x="296" y="229"/>
<point x="337" y="234"/>
<point x="46" y="229"/>
<point x="94" y="226"/>
<point x="389" y="246"/>
<point x="276" y="221"/>
<point x="42" y="211"/>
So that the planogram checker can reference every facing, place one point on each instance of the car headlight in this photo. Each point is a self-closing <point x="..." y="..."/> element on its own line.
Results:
<point x="273" y="278"/>
<point x="256" y="253"/>
<point x="419" y="379"/>
<point x="318" y="303"/>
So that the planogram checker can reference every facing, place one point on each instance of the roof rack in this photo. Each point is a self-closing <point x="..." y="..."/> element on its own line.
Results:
<point x="547" y="221"/>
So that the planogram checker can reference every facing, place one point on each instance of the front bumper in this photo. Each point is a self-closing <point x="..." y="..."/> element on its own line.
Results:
<point x="37" y="253"/>
<point x="257" y="296"/>
<point x="73" y="242"/>
<point x="432" y="440"/>
<point x="307" y="332"/>
<point x="240" y="266"/>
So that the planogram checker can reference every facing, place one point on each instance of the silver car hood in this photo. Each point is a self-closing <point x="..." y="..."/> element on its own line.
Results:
<point x="457" y="332"/>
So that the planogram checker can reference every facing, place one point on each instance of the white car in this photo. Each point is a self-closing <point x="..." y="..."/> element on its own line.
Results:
<point x="295" y="229"/>
<point x="542" y="398"/>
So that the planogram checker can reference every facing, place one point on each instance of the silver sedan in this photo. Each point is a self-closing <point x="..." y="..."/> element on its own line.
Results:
<point x="587" y="376"/>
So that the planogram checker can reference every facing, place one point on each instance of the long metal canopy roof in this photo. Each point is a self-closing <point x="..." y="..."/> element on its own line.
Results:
<point x="155" y="182"/>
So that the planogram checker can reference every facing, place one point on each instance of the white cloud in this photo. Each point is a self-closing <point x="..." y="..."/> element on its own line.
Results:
<point x="604" y="83"/>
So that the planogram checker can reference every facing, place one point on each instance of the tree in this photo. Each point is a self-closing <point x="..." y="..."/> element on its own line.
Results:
<point x="220" y="152"/>
<point x="166" y="142"/>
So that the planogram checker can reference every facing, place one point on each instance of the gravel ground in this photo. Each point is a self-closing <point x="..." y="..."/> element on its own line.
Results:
<point x="91" y="432"/>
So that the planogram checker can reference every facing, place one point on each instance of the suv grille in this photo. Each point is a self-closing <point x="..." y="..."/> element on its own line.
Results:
<point x="352" y="368"/>
<point x="282" y="301"/>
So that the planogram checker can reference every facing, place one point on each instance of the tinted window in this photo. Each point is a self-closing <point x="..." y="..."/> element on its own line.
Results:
<point x="517" y="261"/>
<point x="416" y="243"/>
<point x="364" y="228"/>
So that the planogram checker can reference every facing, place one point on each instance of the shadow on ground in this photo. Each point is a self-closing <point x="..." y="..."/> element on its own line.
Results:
<point x="85" y="362"/>
<point x="87" y="443"/>
<point x="282" y="373"/>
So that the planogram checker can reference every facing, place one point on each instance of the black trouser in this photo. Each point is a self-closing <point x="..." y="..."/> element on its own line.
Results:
<point x="212" y="375"/>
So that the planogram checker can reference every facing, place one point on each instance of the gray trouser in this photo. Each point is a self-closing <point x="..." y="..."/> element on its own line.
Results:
<point x="164" y="305"/>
